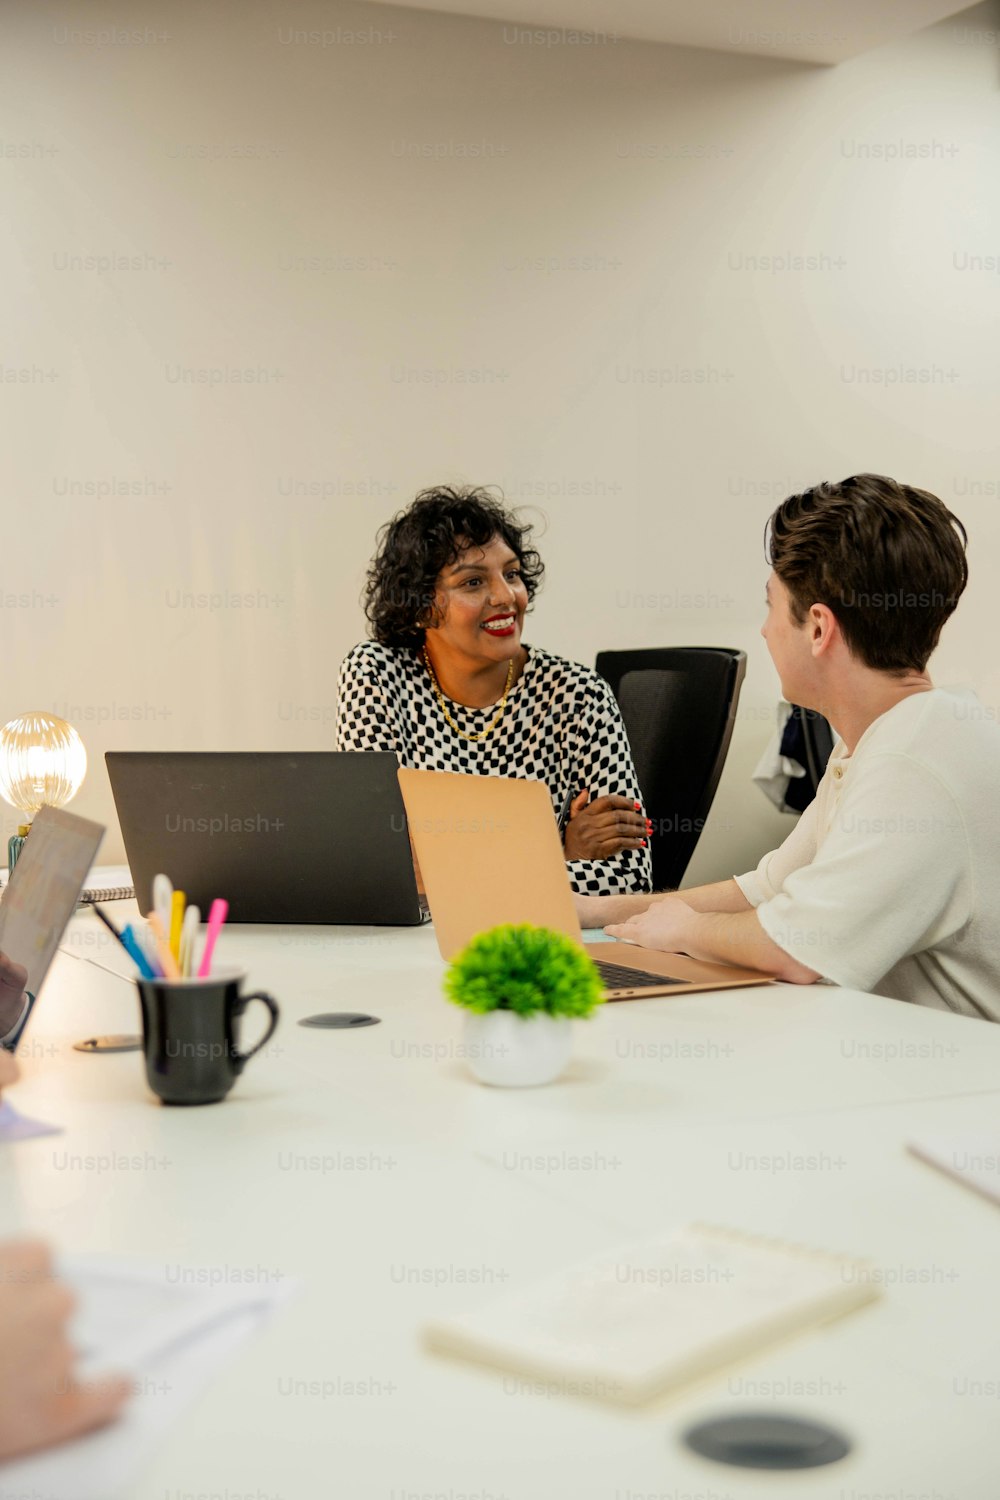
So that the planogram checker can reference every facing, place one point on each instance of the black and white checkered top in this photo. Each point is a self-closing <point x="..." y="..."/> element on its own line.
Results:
<point x="561" y="726"/>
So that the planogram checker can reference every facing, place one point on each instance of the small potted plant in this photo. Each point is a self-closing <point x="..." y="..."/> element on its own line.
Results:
<point x="522" y="986"/>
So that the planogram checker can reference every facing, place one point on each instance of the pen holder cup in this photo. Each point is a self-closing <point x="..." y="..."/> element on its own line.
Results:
<point x="190" y="1035"/>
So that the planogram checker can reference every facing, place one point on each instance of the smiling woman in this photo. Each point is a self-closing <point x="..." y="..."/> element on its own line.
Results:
<point x="448" y="684"/>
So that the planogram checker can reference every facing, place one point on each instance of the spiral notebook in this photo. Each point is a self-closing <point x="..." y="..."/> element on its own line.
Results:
<point x="649" y="1318"/>
<point x="103" y="883"/>
<point x="108" y="883"/>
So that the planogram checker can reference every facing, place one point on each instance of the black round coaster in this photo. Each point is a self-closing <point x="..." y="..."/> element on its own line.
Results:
<point x="109" y="1044"/>
<point x="342" y="1020"/>
<point x="764" y="1441"/>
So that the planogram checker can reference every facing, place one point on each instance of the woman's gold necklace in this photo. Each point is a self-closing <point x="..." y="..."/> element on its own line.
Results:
<point x="485" y="733"/>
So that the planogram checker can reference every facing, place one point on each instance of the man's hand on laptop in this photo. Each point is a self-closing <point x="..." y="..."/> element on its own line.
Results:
<point x="674" y="925"/>
<point x="667" y="925"/>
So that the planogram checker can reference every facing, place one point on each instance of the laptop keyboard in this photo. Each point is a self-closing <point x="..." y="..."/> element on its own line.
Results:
<point x="617" y="977"/>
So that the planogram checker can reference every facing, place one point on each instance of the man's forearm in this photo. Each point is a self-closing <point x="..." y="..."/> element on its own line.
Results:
<point x="604" y="911"/>
<point x="724" y="895"/>
<point x="738" y="938"/>
<point x="599" y="911"/>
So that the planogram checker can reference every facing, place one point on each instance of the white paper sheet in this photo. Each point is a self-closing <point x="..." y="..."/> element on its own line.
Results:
<point x="171" y="1331"/>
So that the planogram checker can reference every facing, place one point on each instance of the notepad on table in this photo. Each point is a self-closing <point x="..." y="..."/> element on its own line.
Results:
<point x="634" y="1323"/>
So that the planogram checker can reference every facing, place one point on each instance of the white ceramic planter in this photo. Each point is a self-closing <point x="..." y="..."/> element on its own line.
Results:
<point x="512" y="1051"/>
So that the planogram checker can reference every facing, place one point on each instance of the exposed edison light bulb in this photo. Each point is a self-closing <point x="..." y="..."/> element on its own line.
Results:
<point x="42" y="762"/>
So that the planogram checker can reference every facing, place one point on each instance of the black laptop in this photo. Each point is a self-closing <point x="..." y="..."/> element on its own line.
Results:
<point x="314" y="837"/>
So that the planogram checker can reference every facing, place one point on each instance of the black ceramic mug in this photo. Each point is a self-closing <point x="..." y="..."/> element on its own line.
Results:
<point x="190" y="1034"/>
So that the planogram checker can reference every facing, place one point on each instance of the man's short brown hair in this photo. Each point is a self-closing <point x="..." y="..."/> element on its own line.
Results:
<point x="887" y="559"/>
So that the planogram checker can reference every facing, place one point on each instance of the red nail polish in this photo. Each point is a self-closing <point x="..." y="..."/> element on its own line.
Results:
<point x="638" y="807"/>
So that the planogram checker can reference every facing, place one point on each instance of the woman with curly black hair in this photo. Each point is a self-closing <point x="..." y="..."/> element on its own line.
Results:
<point x="448" y="685"/>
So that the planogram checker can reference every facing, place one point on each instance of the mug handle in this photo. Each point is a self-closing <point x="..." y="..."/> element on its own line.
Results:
<point x="239" y="1058"/>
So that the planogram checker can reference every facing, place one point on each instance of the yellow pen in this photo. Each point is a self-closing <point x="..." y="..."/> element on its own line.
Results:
<point x="177" y="903"/>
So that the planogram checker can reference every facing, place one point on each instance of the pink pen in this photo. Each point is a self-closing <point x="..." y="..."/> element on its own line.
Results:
<point x="216" y="917"/>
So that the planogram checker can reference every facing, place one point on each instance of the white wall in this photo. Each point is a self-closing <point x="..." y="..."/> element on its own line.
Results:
<point x="541" y="229"/>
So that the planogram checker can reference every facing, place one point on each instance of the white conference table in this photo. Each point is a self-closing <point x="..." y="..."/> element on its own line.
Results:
<point x="370" y="1167"/>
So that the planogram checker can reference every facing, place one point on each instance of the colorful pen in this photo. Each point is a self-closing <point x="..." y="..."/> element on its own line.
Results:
<point x="163" y="900"/>
<point x="189" y="934"/>
<point x="216" y="917"/>
<point x="127" y="939"/>
<point x="144" y="939"/>
<point x="167" y="960"/>
<point x="131" y="944"/>
<point x="177" y="904"/>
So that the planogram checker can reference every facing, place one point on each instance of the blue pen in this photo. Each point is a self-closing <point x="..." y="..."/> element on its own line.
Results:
<point x="144" y="940"/>
<point x="128" y="941"/>
<point x="132" y="947"/>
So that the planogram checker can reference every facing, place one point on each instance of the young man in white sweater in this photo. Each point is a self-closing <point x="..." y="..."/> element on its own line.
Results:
<point x="890" y="882"/>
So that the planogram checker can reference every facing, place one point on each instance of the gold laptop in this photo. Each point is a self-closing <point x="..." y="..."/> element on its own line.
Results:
<point x="489" y="852"/>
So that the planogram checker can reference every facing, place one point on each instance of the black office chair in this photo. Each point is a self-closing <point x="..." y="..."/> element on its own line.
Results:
<point x="679" y="706"/>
